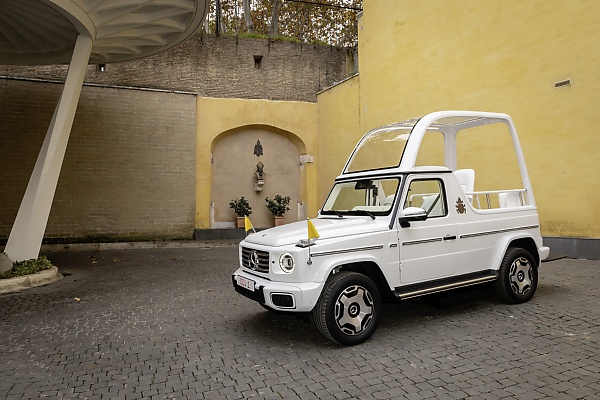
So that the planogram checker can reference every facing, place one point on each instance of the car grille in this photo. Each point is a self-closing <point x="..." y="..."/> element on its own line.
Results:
<point x="258" y="262"/>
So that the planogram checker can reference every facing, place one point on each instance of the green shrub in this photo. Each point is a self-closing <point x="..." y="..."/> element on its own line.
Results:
<point x="27" y="267"/>
<point x="279" y="205"/>
<point x="276" y="38"/>
<point x="241" y="207"/>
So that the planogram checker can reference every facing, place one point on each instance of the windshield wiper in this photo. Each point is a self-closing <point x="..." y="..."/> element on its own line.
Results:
<point x="366" y="212"/>
<point x="336" y="212"/>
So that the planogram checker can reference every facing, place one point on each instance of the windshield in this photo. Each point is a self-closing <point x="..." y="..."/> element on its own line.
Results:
<point x="381" y="148"/>
<point x="362" y="197"/>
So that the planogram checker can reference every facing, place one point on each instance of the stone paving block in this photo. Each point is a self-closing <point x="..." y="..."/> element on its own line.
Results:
<point x="147" y="328"/>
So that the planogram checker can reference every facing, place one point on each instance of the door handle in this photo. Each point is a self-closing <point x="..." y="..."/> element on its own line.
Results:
<point x="449" y="237"/>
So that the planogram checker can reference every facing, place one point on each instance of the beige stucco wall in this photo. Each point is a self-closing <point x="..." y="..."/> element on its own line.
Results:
<point x="220" y="119"/>
<point x="234" y="165"/>
<point x="491" y="56"/>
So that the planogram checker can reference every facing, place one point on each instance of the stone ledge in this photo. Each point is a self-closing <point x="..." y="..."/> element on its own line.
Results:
<point x="582" y="248"/>
<point x="177" y="244"/>
<point x="28" y="281"/>
<point x="219" y="234"/>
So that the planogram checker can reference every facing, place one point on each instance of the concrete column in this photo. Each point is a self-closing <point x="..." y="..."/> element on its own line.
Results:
<point x="28" y="230"/>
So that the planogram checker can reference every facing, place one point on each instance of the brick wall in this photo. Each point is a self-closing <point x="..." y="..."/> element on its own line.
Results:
<point x="221" y="67"/>
<point x="129" y="169"/>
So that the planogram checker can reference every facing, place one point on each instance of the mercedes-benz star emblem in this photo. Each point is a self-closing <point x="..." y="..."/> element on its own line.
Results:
<point x="253" y="260"/>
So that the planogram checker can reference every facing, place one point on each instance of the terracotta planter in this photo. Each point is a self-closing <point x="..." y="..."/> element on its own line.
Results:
<point x="240" y="222"/>
<point x="279" y="220"/>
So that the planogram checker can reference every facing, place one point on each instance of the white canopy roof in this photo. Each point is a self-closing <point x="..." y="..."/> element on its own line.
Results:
<point x="38" y="32"/>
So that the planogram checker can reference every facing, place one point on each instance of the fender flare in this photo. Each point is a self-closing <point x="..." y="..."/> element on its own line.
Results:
<point x="505" y="244"/>
<point x="333" y="262"/>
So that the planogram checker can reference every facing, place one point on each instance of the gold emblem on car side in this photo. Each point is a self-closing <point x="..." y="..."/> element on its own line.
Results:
<point x="460" y="206"/>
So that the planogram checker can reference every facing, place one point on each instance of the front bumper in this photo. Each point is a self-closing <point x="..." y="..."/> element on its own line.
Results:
<point x="295" y="297"/>
<point x="544" y="252"/>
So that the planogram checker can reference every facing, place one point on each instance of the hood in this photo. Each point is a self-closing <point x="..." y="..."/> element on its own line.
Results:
<point x="329" y="227"/>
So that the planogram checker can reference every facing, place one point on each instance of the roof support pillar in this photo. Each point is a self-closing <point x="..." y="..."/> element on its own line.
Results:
<point x="27" y="233"/>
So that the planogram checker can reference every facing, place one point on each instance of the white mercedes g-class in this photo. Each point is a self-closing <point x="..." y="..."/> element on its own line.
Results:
<point x="403" y="221"/>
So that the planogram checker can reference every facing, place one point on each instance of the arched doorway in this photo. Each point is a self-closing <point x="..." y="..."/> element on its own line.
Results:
<point x="235" y="156"/>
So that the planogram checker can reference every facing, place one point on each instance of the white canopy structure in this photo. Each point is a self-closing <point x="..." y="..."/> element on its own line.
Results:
<point x="79" y="32"/>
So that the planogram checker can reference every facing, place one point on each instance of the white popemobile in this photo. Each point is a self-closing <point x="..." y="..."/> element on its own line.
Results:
<point x="390" y="229"/>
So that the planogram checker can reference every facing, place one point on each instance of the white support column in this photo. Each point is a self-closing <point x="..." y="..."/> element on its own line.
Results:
<point x="28" y="230"/>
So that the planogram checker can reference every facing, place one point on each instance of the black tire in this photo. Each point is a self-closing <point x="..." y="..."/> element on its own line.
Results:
<point x="349" y="309"/>
<point x="517" y="277"/>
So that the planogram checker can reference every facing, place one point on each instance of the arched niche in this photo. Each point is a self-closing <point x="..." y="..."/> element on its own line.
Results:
<point x="234" y="164"/>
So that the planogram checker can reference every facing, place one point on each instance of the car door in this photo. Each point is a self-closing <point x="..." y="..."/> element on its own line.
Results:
<point x="428" y="249"/>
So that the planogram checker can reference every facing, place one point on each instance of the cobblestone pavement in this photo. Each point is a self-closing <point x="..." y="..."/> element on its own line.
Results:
<point x="167" y="324"/>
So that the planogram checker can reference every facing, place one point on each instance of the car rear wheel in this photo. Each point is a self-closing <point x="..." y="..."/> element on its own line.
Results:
<point x="349" y="309"/>
<point x="517" y="277"/>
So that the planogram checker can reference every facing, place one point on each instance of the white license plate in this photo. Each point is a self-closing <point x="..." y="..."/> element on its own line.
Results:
<point x="246" y="283"/>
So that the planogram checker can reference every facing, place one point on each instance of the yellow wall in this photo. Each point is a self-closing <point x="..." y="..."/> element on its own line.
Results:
<point x="338" y="131"/>
<point x="417" y="57"/>
<point x="297" y="121"/>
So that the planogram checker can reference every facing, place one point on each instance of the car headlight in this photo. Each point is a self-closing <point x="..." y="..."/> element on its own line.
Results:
<point x="286" y="262"/>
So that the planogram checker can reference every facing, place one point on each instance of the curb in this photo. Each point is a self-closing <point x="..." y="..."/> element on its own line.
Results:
<point x="139" y="245"/>
<point x="183" y="244"/>
<point x="25" y="282"/>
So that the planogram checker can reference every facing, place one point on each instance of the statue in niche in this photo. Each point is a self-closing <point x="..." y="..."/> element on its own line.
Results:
<point x="258" y="150"/>
<point x="260" y="176"/>
<point x="260" y="172"/>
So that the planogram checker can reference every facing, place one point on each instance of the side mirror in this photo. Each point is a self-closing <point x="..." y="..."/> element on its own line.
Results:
<point x="411" y="214"/>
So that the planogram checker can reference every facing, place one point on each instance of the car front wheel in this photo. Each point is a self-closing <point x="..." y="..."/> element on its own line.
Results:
<point x="349" y="309"/>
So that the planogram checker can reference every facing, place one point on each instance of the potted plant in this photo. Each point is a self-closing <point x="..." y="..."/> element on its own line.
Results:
<point x="278" y="206"/>
<point x="242" y="209"/>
